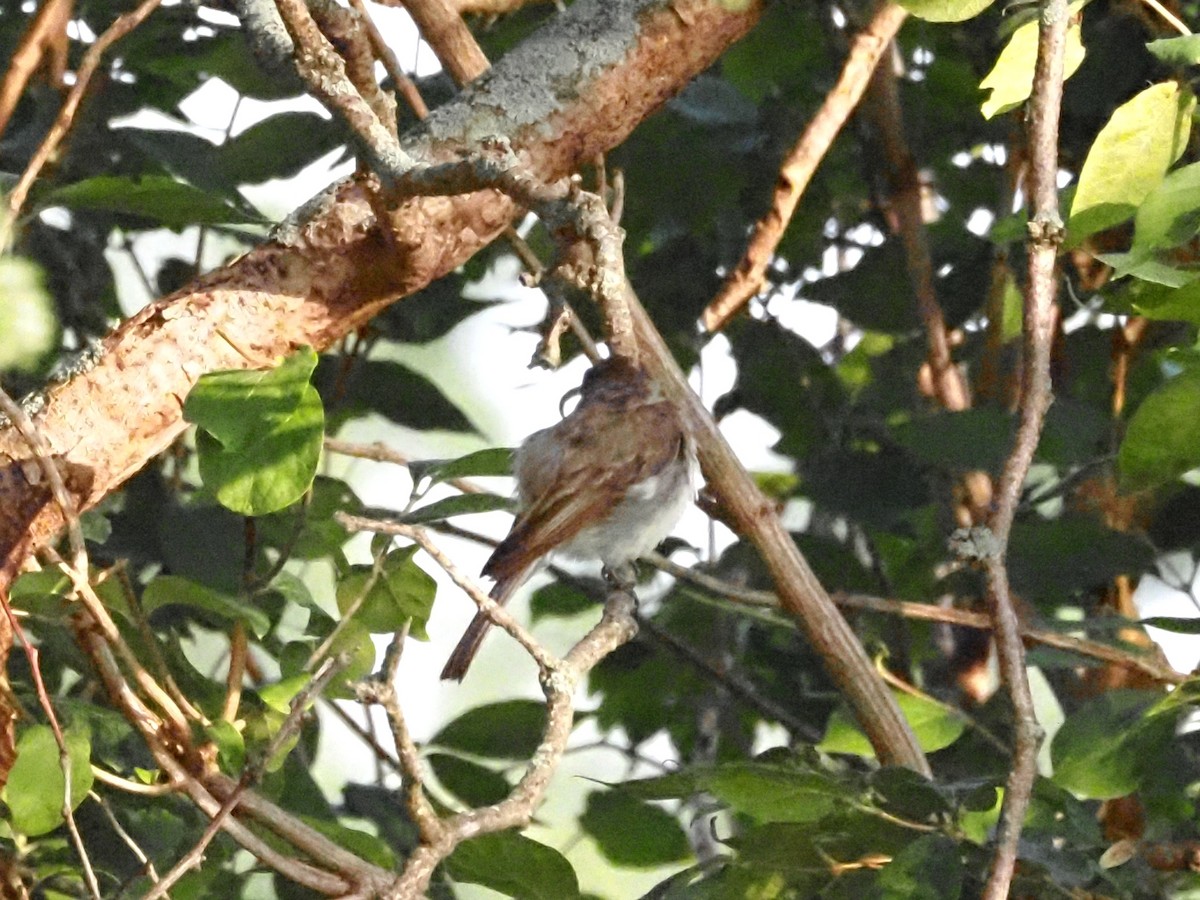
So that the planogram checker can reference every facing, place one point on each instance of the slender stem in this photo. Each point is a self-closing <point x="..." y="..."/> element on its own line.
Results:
<point x="797" y="170"/>
<point x="124" y="24"/>
<point x="1045" y="237"/>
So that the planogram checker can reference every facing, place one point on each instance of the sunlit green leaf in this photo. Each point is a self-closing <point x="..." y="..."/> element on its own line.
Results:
<point x="28" y="327"/>
<point x="384" y="598"/>
<point x="945" y="10"/>
<point x="1130" y="157"/>
<point x="261" y="434"/>
<point x="1177" y="51"/>
<point x="935" y="725"/>
<point x="36" y="788"/>
<point x="1163" y="438"/>
<point x="1011" y="78"/>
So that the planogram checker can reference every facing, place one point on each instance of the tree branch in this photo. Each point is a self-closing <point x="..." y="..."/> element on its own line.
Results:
<point x="337" y="264"/>
<point x="797" y="170"/>
<point x="124" y="24"/>
<point x="1045" y="237"/>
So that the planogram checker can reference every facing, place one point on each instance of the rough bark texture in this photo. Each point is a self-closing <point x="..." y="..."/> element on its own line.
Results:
<point x="576" y="89"/>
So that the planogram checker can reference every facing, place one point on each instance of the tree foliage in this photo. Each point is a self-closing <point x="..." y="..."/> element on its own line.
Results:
<point x="233" y="548"/>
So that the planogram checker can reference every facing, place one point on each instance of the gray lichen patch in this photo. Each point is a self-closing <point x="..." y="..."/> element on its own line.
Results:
<point x="534" y="81"/>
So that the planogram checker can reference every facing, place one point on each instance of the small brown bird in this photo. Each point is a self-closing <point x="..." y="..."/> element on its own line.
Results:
<point x="608" y="482"/>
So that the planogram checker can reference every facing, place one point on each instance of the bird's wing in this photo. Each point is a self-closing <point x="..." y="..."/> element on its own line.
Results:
<point x="577" y="492"/>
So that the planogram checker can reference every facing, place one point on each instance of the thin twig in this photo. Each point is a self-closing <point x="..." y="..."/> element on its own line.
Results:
<point x="797" y="170"/>
<point x="106" y="777"/>
<point x="45" y="38"/>
<point x="324" y="73"/>
<point x="1174" y="21"/>
<point x="391" y="65"/>
<point x="616" y="627"/>
<point x="929" y="612"/>
<point x="49" y="470"/>
<point x="124" y="24"/>
<point x="381" y="452"/>
<point x="546" y="661"/>
<point x="125" y="836"/>
<point x="381" y="690"/>
<point x="1045" y="237"/>
<point x="291" y="723"/>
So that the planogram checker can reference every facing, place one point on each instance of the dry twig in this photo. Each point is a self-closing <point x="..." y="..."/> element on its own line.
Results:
<point x="797" y="170"/>
<point x="124" y="24"/>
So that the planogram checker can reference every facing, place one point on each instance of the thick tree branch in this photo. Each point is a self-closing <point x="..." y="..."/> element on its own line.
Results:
<point x="800" y="593"/>
<point x="444" y="30"/>
<point x="337" y="265"/>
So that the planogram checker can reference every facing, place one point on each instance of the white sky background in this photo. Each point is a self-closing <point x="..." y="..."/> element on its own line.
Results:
<point x="481" y="366"/>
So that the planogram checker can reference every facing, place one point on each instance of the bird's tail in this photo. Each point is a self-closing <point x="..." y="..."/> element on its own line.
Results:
<point x="468" y="645"/>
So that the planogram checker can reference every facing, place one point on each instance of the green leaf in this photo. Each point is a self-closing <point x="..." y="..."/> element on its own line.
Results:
<point x="1170" y="214"/>
<point x="355" y="640"/>
<point x="769" y="793"/>
<point x="456" y="505"/>
<point x="674" y="786"/>
<point x="1104" y="749"/>
<point x="28" y="325"/>
<point x="472" y="783"/>
<point x="168" y="590"/>
<point x="959" y="441"/>
<point x="1163" y="438"/>
<point x="261" y="434"/>
<point x="558" y="599"/>
<point x="1173" y="624"/>
<point x="1130" y="156"/>
<point x="399" y="592"/>
<point x="277" y="147"/>
<point x="631" y="832"/>
<point x="36" y="788"/>
<point x="515" y="866"/>
<point x="1178" y="51"/>
<point x="1163" y="303"/>
<point x="909" y="793"/>
<point x="945" y="10"/>
<point x="157" y="197"/>
<point x="231" y="746"/>
<point x="1011" y="78"/>
<point x="280" y="694"/>
<point x="511" y="729"/>
<point x="493" y="461"/>
<point x="929" y="868"/>
<point x="935" y="726"/>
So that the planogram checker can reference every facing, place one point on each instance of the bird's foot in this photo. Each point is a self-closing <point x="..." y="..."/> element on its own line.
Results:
<point x="621" y="578"/>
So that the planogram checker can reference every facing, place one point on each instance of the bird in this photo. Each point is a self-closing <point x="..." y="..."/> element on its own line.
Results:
<point x="608" y="482"/>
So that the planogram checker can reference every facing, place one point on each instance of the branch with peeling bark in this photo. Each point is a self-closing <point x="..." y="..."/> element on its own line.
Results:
<point x="337" y="265"/>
